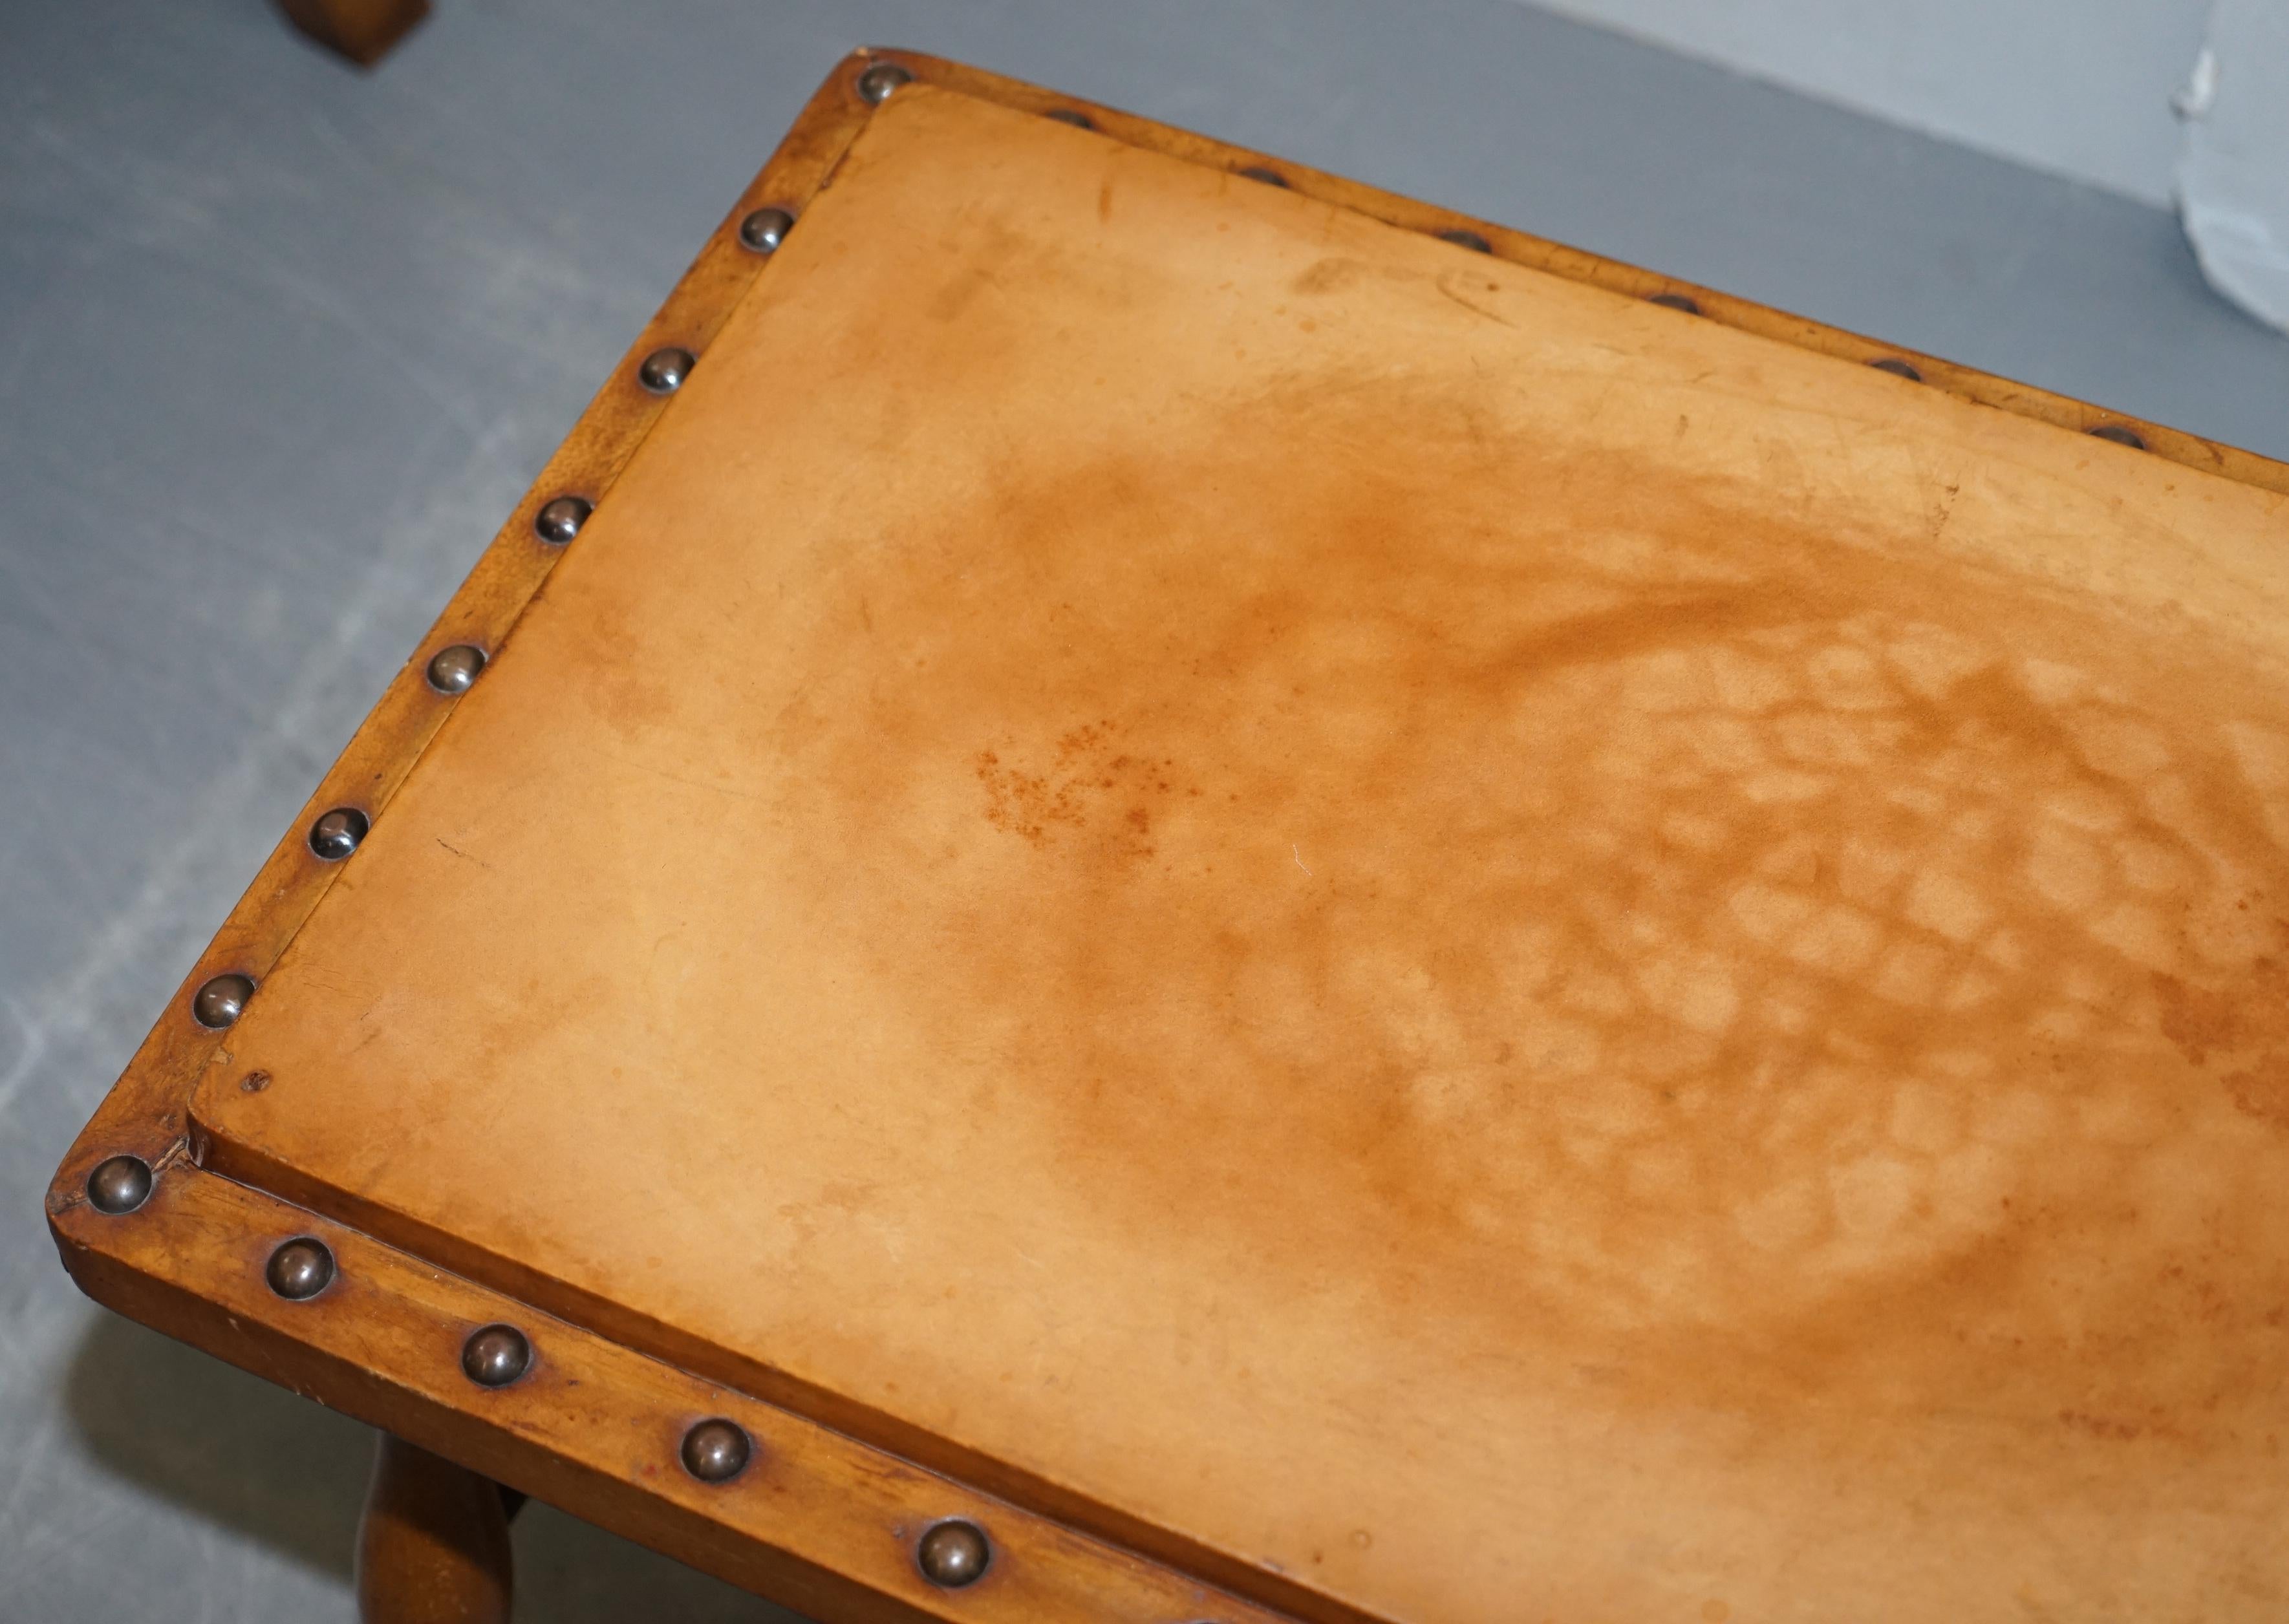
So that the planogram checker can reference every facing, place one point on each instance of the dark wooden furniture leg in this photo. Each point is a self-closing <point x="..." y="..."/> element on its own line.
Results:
<point x="433" y="1544"/>
<point x="362" y="30"/>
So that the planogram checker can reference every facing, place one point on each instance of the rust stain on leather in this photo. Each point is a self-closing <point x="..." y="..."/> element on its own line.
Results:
<point x="1786" y="978"/>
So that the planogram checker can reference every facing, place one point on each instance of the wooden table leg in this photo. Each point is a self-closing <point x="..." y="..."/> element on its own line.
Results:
<point x="433" y="1544"/>
<point x="361" y="31"/>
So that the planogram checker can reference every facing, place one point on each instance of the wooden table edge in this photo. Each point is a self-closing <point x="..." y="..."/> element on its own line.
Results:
<point x="815" y="1520"/>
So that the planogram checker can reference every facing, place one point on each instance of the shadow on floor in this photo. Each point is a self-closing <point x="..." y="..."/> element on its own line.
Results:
<point x="290" y="1474"/>
<point x="571" y="1573"/>
<point x="220" y="1443"/>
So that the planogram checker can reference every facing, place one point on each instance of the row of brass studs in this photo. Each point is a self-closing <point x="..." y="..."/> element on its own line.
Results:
<point x="952" y="1553"/>
<point x="1462" y="236"/>
<point x="301" y="1268"/>
<point x="453" y="670"/>
<point x="2120" y="433"/>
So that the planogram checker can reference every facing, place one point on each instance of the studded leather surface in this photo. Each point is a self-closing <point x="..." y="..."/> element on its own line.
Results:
<point x="1483" y="945"/>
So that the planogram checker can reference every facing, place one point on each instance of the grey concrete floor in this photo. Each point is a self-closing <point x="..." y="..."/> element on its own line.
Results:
<point x="279" y="343"/>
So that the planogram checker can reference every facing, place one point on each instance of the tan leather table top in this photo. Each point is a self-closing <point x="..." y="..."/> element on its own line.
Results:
<point x="1504" y="951"/>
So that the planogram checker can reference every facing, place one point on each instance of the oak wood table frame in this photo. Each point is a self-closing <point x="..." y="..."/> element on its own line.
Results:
<point x="818" y="1520"/>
